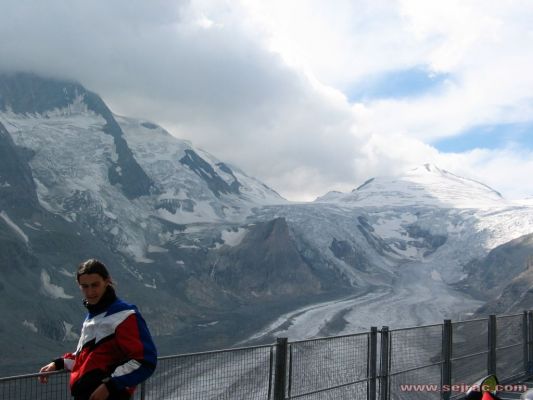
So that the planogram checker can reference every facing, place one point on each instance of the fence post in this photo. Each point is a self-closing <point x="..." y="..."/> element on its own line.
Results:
<point x="142" y="391"/>
<point x="447" y="342"/>
<point x="525" y="352"/>
<point x="372" y="363"/>
<point x="530" y="341"/>
<point x="491" y="359"/>
<point x="281" y="369"/>
<point x="384" y="364"/>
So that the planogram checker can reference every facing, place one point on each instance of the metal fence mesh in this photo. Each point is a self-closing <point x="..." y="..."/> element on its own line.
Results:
<point x="430" y="375"/>
<point x="28" y="387"/>
<point x="326" y="364"/>
<point x="357" y="391"/>
<point x="415" y="347"/>
<point x="233" y="374"/>
<point x="469" y="369"/>
<point x="469" y="351"/>
<point x="509" y="348"/>
<point x="415" y="358"/>
<point x="510" y="362"/>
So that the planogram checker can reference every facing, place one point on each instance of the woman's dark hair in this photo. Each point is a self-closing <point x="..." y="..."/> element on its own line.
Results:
<point x="92" y="266"/>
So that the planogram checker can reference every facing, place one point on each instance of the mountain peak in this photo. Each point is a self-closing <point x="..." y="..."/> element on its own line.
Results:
<point x="329" y="196"/>
<point x="427" y="168"/>
<point x="27" y="93"/>
<point x="425" y="185"/>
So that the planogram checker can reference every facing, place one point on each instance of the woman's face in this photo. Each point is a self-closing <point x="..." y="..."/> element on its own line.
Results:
<point x="93" y="287"/>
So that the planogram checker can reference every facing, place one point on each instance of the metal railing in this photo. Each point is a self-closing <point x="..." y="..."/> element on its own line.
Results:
<point x="329" y="368"/>
<point x="378" y="365"/>
<point x="244" y="373"/>
<point x="416" y="358"/>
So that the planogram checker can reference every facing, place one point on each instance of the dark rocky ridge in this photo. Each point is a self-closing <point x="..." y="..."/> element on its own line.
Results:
<point x="266" y="263"/>
<point x="17" y="188"/>
<point x="126" y="172"/>
<point x="515" y="297"/>
<point x="504" y="278"/>
<point x="24" y="93"/>
<point x="490" y="276"/>
<point x="344" y="251"/>
<point x="215" y="183"/>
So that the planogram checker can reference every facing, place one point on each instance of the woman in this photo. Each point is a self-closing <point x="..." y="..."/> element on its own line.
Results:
<point x="115" y="351"/>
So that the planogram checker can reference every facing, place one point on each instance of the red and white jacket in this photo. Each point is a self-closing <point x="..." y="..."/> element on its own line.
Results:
<point x="115" y="348"/>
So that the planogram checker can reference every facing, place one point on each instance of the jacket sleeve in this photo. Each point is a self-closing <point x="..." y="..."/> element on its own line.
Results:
<point x="65" y="362"/>
<point x="135" y="341"/>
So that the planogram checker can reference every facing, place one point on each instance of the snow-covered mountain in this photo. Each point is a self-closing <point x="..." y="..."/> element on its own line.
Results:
<point x="428" y="231"/>
<point x="426" y="185"/>
<point x="210" y="253"/>
<point x="413" y="214"/>
<point x="85" y="160"/>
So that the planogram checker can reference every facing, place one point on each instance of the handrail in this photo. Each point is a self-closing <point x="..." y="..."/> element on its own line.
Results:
<point x="201" y="353"/>
<point x="32" y="375"/>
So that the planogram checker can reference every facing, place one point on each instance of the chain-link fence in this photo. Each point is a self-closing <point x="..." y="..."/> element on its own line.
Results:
<point x="412" y="363"/>
<point x="470" y="349"/>
<point x="28" y="387"/>
<point x="511" y="354"/>
<point x="218" y="375"/>
<point x="330" y="368"/>
<point x="415" y="358"/>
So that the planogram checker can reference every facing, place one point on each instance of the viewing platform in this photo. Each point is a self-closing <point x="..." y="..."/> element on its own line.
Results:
<point x="427" y="362"/>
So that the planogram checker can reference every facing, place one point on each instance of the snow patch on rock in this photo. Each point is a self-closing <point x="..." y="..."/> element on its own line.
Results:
<point x="30" y="325"/>
<point x="20" y="233"/>
<point x="234" y="238"/>
<point x="51" y="290"/>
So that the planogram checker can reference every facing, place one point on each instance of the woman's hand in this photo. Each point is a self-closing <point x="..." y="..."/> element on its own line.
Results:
<point x="101" y="393"/>
<point x="47" y="368"/>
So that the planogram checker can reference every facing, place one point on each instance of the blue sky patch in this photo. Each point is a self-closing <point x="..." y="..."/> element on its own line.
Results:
<point x="489" y="137"/>
<point x="397" y="84"/>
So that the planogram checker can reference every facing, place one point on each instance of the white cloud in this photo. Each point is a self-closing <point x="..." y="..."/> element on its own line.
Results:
<point x="260" y="84"/>
<point x="339" y="41"/>
<point x="507" y="170"/>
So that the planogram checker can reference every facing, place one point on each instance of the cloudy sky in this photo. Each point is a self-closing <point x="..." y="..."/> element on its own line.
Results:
<point x="307" y="95"/>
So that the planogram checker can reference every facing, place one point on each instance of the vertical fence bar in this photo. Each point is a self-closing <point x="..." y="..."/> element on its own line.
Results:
<point x="270" y="372"/>
<point x="525" y="352"/>
<point x="289" y="384"/>
<point x="530" y="341"/>
<point x="281" y="369"/>
<point x="372" y="362"/>
<point x="491" y="359"/>
<point x="384" y="364"/>
<point x="446" y="374"/>
<point x="143" y="387"/>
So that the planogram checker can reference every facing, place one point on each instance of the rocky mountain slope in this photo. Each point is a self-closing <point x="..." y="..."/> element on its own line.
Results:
<point x="504" y="277"/>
